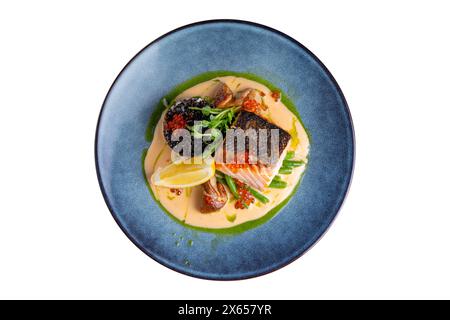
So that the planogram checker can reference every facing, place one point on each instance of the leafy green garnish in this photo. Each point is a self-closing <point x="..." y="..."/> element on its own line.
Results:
<point x="219" y="121"/>
<point x="206" y="110"/>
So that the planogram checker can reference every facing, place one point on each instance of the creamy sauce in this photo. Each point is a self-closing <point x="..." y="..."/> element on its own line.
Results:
<point x="186" y="207"/>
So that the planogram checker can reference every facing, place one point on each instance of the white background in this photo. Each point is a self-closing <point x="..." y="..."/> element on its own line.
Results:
<point x="57" y="62"/>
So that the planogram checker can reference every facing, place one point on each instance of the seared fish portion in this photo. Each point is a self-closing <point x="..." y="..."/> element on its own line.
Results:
<point x="248" y="120"/>
<point x="259" y="172"/>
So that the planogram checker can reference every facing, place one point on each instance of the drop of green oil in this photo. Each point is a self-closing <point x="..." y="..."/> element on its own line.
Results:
<point x="190" y="243"/>
<point x="177" y="243"/>
<point x="187" y="262"/>
<point x="231" y="217"/>
<point x="294" y="134"/>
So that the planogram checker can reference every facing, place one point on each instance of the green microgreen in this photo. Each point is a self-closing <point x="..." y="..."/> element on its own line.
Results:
<point x="219" y="121"/>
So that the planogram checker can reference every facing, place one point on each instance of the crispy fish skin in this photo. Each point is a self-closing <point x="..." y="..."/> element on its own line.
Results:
<point x="257" y="175"/>
<point x="248" y="120"/>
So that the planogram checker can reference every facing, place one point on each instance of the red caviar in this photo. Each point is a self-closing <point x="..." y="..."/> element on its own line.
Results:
<point x="245" y="197"/>
<point x="176" y="191"/>
<point x="177" y="122"/>
<point x="275" y="95"/>
<point x="250" y="105"/>
<point x="235" y="165"/>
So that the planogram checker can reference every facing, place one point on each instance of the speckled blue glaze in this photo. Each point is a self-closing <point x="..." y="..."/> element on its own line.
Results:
<point x="242" y="47"/>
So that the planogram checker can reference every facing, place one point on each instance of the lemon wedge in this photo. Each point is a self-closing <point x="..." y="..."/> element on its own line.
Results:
<point x="184" y="173"/>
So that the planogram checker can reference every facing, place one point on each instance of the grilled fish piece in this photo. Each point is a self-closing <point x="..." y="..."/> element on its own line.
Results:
<point x="259" y="172"/>
<point x="248" y="120"/>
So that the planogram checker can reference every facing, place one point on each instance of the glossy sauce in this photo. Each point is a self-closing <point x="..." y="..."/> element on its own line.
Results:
<point x="185" y="207"/>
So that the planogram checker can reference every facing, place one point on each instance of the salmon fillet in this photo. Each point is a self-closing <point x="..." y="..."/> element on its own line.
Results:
<point x="257" y="174"/>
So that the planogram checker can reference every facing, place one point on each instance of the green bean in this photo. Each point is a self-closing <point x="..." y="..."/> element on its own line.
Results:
<point x="289" y="155"/>
<point x="278" y="184"/>
<point x="221" y="180"/>
<point x="277" y="178"/>
<point x="258" y="195"/>
<point x="219" y="174"/>
<point x="285" y="170"/>
<point x="232" y="186"/>
<point x="292" y="163"/>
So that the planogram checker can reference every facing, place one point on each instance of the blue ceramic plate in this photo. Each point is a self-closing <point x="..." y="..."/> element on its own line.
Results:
<point x="242" y="47"/>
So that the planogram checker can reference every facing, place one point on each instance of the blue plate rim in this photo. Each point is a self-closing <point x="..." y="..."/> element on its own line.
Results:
<point x="327" y="72"/>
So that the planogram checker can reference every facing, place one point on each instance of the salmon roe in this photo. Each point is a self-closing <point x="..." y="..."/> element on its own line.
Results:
<point x="245" y="197"/>
<point x="176" y="191"/>
<point x="177" y="122"/>
<point x="275" y="95"/>
<point x="250" y="105"/>
<point x="235" y="166"/>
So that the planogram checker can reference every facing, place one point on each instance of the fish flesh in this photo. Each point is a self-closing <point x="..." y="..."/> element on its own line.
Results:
<point x="256" y="170"/>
